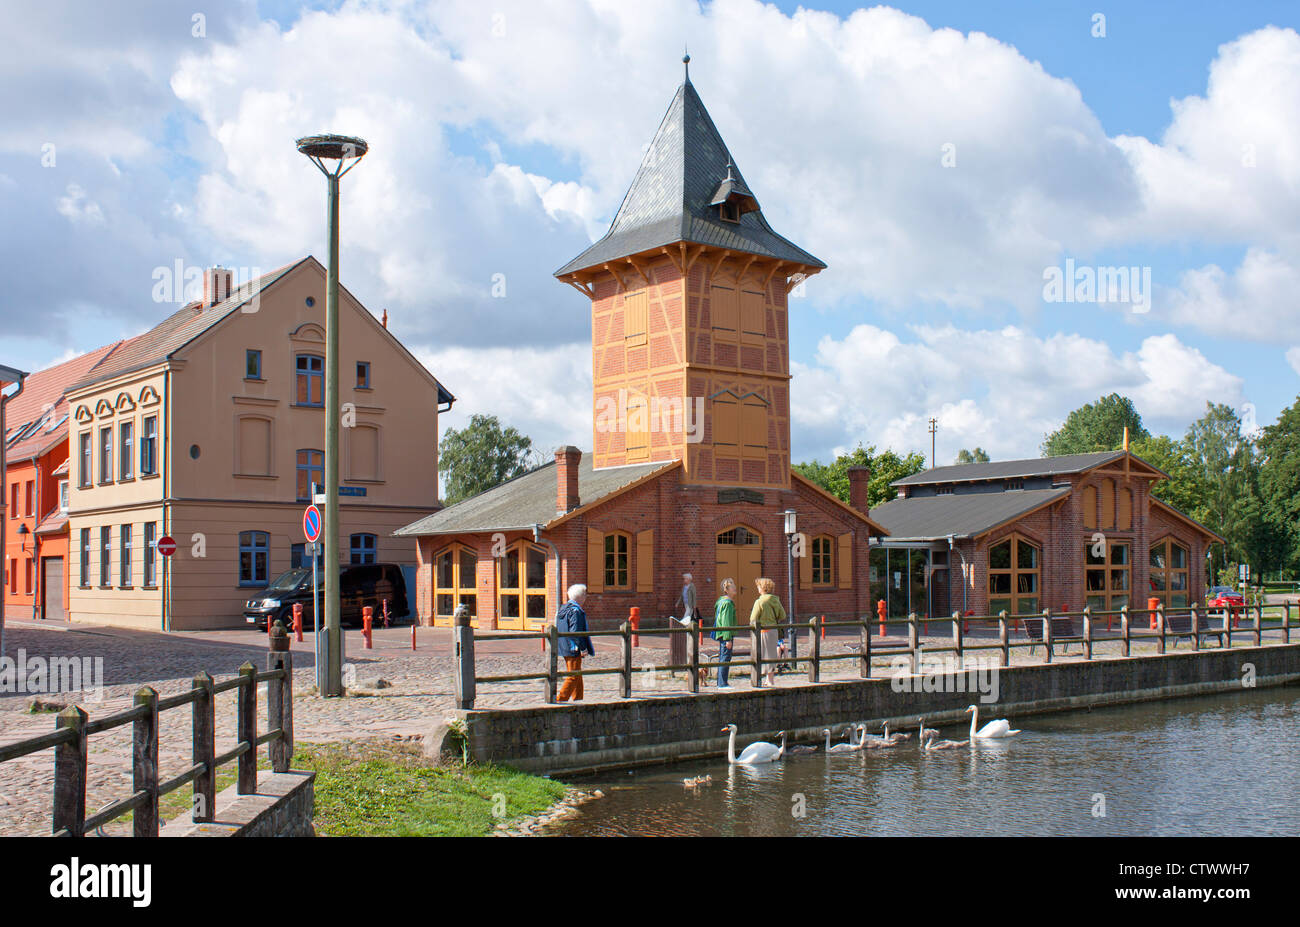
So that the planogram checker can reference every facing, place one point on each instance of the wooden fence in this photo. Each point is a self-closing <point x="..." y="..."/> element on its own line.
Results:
<point x="73" y="728"/>
<point x="1049" y="630"/>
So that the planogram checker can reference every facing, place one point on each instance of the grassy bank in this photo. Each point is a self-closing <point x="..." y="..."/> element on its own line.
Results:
<point x="380" y="789"/>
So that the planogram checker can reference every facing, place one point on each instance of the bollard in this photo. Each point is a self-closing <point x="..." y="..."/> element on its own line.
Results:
<point x="634" y="619"/>
<point x="880" y="610"/>
<point x="367" y="625"/>
<point x="1152" y="605"/>
<point x="414" y="624"/>
<point x="463" y="636"/>
<point x="297" y="621"/>
<point x="386" y="621"/>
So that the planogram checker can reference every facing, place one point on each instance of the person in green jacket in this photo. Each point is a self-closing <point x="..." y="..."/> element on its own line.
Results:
<point x="768" y="615"/>
<point x="724" y="616"/>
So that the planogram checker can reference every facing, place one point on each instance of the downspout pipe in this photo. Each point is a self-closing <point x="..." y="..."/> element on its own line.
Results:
<point x="7" y="375"/>
<point x="965" y="579"/>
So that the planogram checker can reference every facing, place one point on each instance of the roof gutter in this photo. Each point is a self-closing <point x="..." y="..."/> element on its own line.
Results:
<point x="7" y="375"/>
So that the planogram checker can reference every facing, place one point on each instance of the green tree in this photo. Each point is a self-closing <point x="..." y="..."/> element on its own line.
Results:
<point x="979" y="455"/>
<point x="1096" y="426"/>
<point x="1227" y="466"/>
<point x="1279" y="488"/>
<point x="886" y="467"/>
<point x="1185" y="489"/>
<point x="481" y="455"/>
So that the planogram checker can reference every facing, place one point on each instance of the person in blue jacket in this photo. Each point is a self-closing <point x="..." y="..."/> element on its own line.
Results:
<point x="571" y="618"/>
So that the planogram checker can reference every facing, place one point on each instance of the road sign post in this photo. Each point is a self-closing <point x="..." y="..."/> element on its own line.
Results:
<point x="311" y="528"/>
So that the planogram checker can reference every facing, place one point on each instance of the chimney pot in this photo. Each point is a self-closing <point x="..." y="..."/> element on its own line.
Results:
<point x="216" y="285"/>
<point x="567" y="459"/>
<point x="859" y="478"/>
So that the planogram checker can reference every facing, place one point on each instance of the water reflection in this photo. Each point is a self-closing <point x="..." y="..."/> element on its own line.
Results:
<point x="1221" y="766"/>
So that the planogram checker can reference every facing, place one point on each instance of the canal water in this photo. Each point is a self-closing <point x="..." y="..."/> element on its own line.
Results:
<point x="1216" y="765"/>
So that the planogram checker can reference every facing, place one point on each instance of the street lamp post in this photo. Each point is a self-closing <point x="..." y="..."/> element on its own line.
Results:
<point x="340" y="150"/>
<point x="790" y="529"/>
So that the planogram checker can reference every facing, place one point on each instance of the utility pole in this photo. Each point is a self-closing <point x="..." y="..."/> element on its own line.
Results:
<point x="934" y="427"/>
<point x="339" y="149"/>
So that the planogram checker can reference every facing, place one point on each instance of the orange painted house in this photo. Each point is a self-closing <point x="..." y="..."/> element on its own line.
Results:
<point x="36" y="484"/>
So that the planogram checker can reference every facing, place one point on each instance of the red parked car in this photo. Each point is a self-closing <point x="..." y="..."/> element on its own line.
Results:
<point x="1224" y="597"/>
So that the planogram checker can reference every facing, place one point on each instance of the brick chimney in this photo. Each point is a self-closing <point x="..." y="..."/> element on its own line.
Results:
<point x="216" y="285"/>
<point x="567" y="459"/>
<point x="859" y="477"/>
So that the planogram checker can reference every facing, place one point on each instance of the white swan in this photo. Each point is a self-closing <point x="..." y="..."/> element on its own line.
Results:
<point x="799" y="749"/>
<point x="759" y="752"/>
<point x="926" y="731"/>
<point x="931" y="744"/>
<point x="897" y="735"/>
<point x="880" y="743"/>
<point x="990" y="731"/>
<point x="847" y="747"/>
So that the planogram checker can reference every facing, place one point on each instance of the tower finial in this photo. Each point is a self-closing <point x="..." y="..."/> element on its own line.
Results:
<point x="686" y="60"/>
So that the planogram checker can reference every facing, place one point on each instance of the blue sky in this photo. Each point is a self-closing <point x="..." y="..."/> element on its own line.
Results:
<point x="504" y="139"/>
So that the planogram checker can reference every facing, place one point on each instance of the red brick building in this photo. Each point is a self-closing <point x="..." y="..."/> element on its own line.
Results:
<point x="690" y="470"/>
<point x="1025" y="535"/>
<point x="36" y="479"/>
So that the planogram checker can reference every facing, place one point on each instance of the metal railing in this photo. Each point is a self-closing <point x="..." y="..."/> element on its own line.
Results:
<point x="73" y="728"/>
<point x="1039" y="629"/>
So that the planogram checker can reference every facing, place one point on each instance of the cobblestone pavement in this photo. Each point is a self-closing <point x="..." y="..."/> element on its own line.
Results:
<point x="420" y="692"/>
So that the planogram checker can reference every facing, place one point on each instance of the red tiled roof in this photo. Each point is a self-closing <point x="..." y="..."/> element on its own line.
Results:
<point x="40" y="411"/>
<point x="179" y="329"/>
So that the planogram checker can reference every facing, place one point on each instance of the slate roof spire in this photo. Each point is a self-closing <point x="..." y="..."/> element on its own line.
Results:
<point x="686" y="178"/>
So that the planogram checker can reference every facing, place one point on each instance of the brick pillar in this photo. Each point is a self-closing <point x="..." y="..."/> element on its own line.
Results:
<point x="567" y="459"/>
<point x="859" y="477"/>
<point x="216" y="285"/>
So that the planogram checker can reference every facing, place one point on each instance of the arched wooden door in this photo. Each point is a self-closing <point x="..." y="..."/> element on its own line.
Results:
<point x="740" y="556"/>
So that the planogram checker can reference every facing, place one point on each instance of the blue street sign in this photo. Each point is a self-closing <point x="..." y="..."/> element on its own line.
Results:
<point x="352" y="490"/>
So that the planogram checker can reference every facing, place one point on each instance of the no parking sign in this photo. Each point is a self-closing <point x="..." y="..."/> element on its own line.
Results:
<point x="311" y="523"/>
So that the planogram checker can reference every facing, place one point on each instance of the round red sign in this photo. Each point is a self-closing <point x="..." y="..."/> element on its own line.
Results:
<point x="166" y="545"/>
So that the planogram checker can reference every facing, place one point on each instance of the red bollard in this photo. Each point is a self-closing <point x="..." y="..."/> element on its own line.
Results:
<point x="1152" y="604"/>
<point x="880" y="611"/>
<point x="367" y="620"/>
<point x="386" y="621"/>
<point x="414" y="623"/>
<point x="823" y="624"/>
<point x="634" y="619"/>
<point x="297" y="620"/>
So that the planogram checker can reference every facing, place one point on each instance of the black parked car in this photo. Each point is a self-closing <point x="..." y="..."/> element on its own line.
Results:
<point x="359" y="585"/>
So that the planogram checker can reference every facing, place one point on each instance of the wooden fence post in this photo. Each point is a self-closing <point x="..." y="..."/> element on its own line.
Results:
<point x="1125" y="630"/>
<point x="1004" y="637"/>
<point x="1047" y="634"/>
<point x="1226" y="639"/>
<point x="70" y="774"/>
<point x="913" y="642"/>
<point x="756" y="657"/>
<point x="1160" y="626"/>
<point x="1259" y="623"/>
<point x="815" y="645"/>
<point x="958" y="642"/>
<point x="205" y="750"/>
<point x="144" y="763"/>
<point x="1196" y="628"/>
<point x="1087" y="632"/>
<point x="552" y="662"/>
<point x="1286" y="622"/>
<point x="279" y="698"/>
<point x="625" y="643"/>
<point x="693" y="653"/>
<point x="864" y="647"/>
<point x="246" y="727"/>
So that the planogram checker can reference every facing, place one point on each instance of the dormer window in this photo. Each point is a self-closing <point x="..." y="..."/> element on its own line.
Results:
<point x="733" y="198"/>
<point x="1015" y="484"/>
<point x="729" y="211"/>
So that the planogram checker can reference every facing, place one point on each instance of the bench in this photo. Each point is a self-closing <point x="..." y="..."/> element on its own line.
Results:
<point x="1179" y="625"/>
<point x="1061" y="628"/>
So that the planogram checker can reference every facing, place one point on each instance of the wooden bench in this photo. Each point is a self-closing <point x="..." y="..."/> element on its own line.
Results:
<point x="1178" y="624"/>
<point x="1061" y="627"/>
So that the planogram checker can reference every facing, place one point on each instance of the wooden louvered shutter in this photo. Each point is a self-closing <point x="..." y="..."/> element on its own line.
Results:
<point x="805" y="563"/>
<point x="595" y="561"/>
<point x="846" y="561"/>
<point x="1125" y="509"/>
<point x="645" y="560"/>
